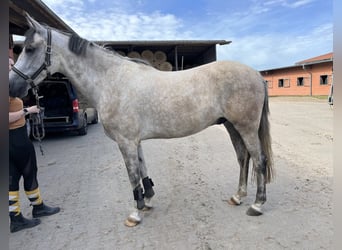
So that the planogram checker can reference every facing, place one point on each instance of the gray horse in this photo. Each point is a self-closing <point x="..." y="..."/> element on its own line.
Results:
<point x="138" y="102"/>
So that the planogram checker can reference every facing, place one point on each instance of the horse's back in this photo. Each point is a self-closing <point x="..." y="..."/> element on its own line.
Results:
<point x="229" y="76"/>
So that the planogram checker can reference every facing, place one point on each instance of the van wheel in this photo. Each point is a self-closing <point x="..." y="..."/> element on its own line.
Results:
<point x="84" y="129"/>
<point x="96" y="119"/>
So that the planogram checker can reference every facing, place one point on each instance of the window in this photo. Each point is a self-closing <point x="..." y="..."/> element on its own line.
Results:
<point x="324" y="80"/>
<point x="300" y="81"/>
<point x="281" y="83"/>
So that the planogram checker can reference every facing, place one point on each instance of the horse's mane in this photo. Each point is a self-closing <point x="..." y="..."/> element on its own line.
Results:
<point x="79" y="46"/>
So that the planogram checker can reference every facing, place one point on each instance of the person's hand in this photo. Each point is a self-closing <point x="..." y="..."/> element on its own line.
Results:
<point x="33" y="109"/>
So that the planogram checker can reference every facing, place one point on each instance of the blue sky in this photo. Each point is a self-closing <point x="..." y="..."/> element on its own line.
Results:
<point x="265" y="34"/>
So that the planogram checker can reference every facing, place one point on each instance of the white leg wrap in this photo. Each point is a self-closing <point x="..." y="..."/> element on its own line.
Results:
<point x="135" y="216"/>
<point x="148" y="203"/>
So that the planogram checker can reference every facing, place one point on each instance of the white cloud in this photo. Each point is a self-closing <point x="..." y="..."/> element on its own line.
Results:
<point x="263" y="43"/>
<point x="54" y="4"/>
<point x="119" y="22"/>
<point x="257" y="40"/>
<point x="128" y="27"/>
<point x="286" y="3"/>
<point x="299" y="3"/>
<point x="278" y="50"/>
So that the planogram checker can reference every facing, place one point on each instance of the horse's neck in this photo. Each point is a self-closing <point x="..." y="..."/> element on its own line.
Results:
<point x="85" y="72"/>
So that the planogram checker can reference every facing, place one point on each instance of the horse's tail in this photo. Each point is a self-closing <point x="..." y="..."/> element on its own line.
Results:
<point x="265" y="138"/>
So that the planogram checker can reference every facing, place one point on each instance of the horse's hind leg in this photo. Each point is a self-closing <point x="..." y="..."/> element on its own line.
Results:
<point x="243" y="159"/>
<point x="147" y="182"/>
<point x="253" y="146"/>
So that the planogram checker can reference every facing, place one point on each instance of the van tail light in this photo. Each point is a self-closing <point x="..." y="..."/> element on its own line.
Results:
<point x="75" y="106"/>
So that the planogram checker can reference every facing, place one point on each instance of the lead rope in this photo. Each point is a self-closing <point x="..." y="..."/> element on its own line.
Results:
<point x="37" y="121"/>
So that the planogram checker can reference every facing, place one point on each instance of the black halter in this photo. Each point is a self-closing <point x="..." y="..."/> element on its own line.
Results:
<point x="44" y="66"/>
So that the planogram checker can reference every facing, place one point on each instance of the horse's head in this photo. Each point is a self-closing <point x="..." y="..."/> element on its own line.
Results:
<point x="33" y="62"/>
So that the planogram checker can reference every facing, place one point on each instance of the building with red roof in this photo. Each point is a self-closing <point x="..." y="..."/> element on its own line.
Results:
<point x="310" y="77"/>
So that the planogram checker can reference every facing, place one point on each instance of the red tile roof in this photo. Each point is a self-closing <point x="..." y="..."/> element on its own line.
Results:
<point x="324" y="57"/>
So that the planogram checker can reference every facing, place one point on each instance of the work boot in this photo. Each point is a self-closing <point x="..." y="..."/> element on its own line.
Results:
<point x="19" y="222"/>
<point x="43" y="210"/>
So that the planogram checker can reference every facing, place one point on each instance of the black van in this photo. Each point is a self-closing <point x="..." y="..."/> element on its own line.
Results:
<point x="63" y="110"/>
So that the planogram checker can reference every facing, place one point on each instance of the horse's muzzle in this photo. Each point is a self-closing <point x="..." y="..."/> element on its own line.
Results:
<point x="17" y="86"/>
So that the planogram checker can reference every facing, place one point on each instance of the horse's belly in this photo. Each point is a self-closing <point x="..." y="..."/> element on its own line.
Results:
<point x="176" y="126"/>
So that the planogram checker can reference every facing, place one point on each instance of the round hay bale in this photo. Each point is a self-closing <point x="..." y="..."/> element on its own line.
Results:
<point x="120" y="52"/>
<point x="165" y="66"/>
<point x="147" y="55"/>
<point x="133" y="54"/>
<point x="156" y="64"/>
<point x="160" y="56"/>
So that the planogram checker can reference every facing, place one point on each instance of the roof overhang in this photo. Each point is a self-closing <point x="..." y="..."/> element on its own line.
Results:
<point x="164" y="42"/>
<point x="38" y="10"/>
<point x="298" y="65"/>
<point x="191" y="51"/>
<point x="267" y="71"/>
<point x="315" y="62"/>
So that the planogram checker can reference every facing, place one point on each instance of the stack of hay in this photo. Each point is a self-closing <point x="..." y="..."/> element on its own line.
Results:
<point x="134" y="54"/>
<point x="148" y="56"/>
<point x="157" y="59"/>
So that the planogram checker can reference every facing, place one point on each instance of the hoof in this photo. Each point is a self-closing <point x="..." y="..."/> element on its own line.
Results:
<point x="145" y="209"/>
<point x="234" y="200"/>
<point x="129" y="223"/>
<point x="254" y="210"/>
<point x="133" y="219"/>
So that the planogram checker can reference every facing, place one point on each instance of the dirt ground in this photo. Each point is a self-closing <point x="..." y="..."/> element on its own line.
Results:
<point x="194" y="177"/>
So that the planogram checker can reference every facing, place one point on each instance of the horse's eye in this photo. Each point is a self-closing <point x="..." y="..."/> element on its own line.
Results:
<point x="29" y="49"/>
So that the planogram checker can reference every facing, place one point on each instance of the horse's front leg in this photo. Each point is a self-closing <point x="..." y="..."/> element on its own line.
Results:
<point x="147" y="182"/>
<point x="129" y="151"/>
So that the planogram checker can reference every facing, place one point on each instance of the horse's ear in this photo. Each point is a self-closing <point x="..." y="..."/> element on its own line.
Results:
<point x="33" y="23"/>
